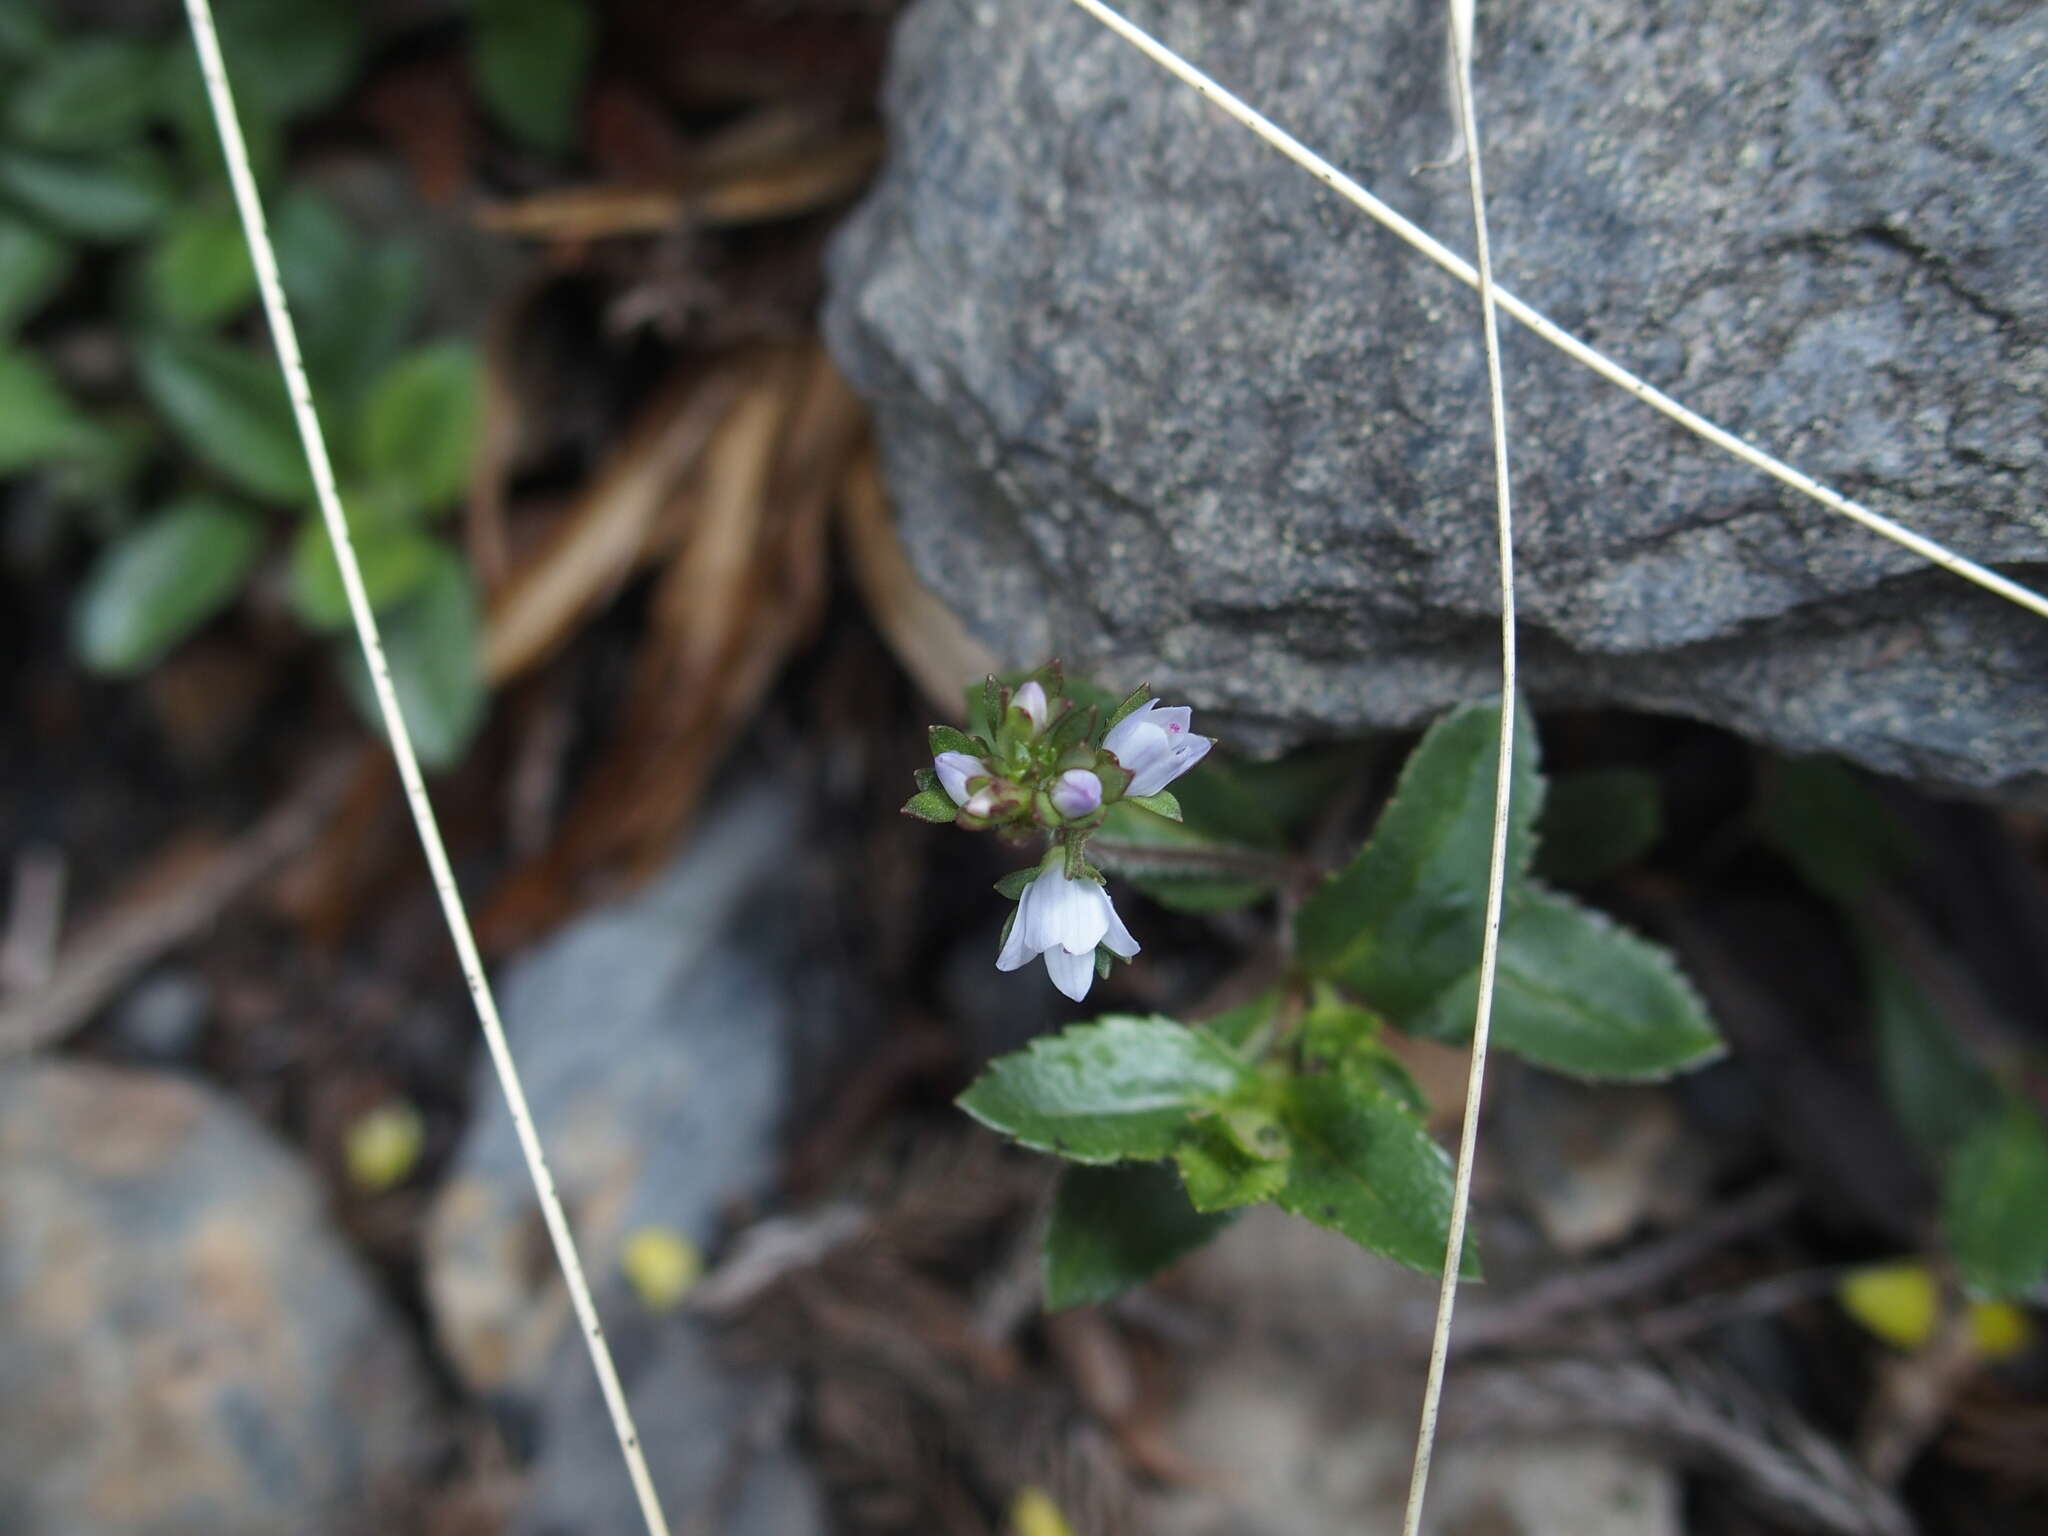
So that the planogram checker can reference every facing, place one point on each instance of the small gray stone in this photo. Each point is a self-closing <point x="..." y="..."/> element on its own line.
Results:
<point x="1151" y="398"/>
<point x="184" y="1343"/>
<point x="653" y="1037"/>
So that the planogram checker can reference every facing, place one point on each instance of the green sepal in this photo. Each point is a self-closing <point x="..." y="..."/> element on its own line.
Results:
<point x="926" y="779"/>
<point x="993" y="699"/>
<point x="933" y="805"/>
<point x="945" y="738"/>
<point x="1161" y="804"/>
<point x="1076" y="865"/>
<point x="1102" y="959"/>
<point x="1133" y="700"/>
<point x="1115" y="778"/>
<point x="1014" y="883"/>
<point x="1071" y="728"/>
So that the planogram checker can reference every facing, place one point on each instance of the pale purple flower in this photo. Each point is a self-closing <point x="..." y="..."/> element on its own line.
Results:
<point x="1064" y="920"/>
<point x="1155" y="746"/>
<point x="1032" y="700"/>
<point x="1077" y="793"/>
<point x="954" y="770"/>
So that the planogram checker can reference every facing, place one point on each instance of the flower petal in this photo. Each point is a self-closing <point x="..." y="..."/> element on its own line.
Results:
<point x="1072" y="974"/>
<point x="1015" y="951"/>
<point x="1117" y="936"/>
<point x="955" y="769"/>
<point x="1082" y="914"/>
<point x="1121" y="732"/>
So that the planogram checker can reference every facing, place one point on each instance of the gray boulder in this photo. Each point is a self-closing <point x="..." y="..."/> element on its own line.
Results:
<point x="185" y="1343"/>
<point x="654" y="1039"/>
<point x="1152" y="398"/>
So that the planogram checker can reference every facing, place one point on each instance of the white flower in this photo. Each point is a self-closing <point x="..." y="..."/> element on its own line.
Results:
<point x="1155" y="746"/>
<point x="954" y="770"/>
<point x="1032" y="700"/>
<point x="1064" y="920"/>
<point x="1077" y="793"/>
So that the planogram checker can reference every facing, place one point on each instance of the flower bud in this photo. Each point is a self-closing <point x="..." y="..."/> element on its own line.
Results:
<point x="1031" y="702"/>
<point x="1077" y="793"/>
<point x="956" y="770"/>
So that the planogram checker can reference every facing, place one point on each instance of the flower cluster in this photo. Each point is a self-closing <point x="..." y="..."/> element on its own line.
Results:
<point x="1050" y="768"/>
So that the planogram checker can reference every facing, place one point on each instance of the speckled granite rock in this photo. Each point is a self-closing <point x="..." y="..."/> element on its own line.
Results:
<point x="1150" y="397"/>
<point x="184" y="1344"/>
<point x="654" y="1039"/>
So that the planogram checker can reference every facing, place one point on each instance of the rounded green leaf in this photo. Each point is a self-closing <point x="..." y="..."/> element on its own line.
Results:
<point x="228" y="405"/>
<point x="433" y="642"/>
<point x="32" y="264"/>
<point x="394" y="558"/>
<point x="92" y="93"/>
<point x="110" y="197"/>
<point x="38" y="424"/>
<point x="530" y="58"/>
<point x="420" y="424"/>
<point x="156" y="584"/>
<point x="198" y="271"/>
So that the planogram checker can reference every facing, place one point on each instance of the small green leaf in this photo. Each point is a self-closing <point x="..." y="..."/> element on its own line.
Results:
<point x="1220" y="1174"/>
<point x="1012" y="885"/>
<point x="1403" y="920"/>
<point x="156" y="584"/>
<point x="1334" y="1030"/>
<point x="33" y="263"/>
<point x="1113" y="1228"/>
<point x="1161" y="804"/>
<point x="420" y="423"/>
<point x="530" y="58"/>
<point x="394" y="556"/>
<point x="111" y="197"/>
<point x="1995" y="1203"/>
<point x="1937" y="1090"/>
<point x="933" y="805"/>
<point x="1597" y="822"/>
<point x="943" y="738"/>
<point x="1365" y="1166"/>
<point x="432" y="641"/>
<point x="93" y="93"/>
<point x="1119" y="1089"/>
<point x="198" y="271"/>
<point x="355" y="303"/>
<point x="38" y="425"/>
<point x="1235" y="1027"/>
<point x="1581" y="995"/>
<point x="228" y="405"/>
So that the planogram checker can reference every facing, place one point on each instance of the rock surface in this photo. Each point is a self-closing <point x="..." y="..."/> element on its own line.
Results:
<point x="654" y="1039"/>
<point x="185" y="1345"/>
<point x="1154" y="399"/>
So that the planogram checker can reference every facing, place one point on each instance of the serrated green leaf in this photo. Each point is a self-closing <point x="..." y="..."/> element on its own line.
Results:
<point x="93" y="93"/>
<point x="1365" y="1166"/>
<point x="228" y="405"/>
<point x="933" y="805"/>
<point x="394" y="556"/>
<point x="1597" y="822"/>
<point x="1579" y="994"/>
<point x="198" y="270"/>
<point x="1161" y="804"/>
<point x="1119" y="1089"/>
<point x="432" y="641"/>
<point x="156" y="584"/>
<point x="530" y="58"/>
<point x="33" y="262"/>
<point x="1403" y="920"/>
<point x="420" y="423"/>
<point x="38" y="424"/>
<point x="1334" y="1030"/>
<point x="1220" y="1174"/>
<point x="1995" y="1203"/>
<point x="110" y="197"/>
<point x="1113" y="1228"/>
<point x="1936" y="1089"/>
<point x="944" y="738"/>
